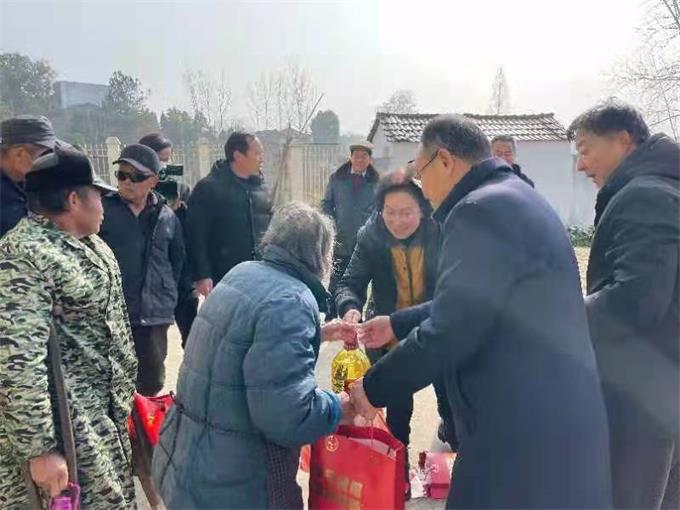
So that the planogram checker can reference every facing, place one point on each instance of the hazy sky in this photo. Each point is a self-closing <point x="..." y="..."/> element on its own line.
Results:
<point x="555" y="53"/>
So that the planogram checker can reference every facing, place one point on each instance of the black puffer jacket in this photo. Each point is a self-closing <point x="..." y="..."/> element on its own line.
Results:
<point x="150" y="265"/>
<point x="185" y="285"/>
<point x="634" y="287"/>
<point x="349" y="208"/>
<point x="372" y="261"/>
<point x="13" y="203"/>
<point x="226" y="219"/>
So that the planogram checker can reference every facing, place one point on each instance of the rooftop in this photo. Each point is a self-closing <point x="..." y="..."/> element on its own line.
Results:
<point x="407" y="127"/>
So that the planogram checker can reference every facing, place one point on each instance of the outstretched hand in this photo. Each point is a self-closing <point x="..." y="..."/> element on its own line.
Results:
<point x="376" y="333"/>
<point x="339" y="330"/>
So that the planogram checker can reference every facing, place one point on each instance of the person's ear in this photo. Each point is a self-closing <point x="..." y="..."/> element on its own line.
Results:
<point x="72" y="199"/>
<point x="448" y="160"/>
<point x="624" y="139"/>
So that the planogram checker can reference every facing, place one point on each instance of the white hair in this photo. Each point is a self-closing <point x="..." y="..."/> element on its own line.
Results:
<point x="305" y="233"/>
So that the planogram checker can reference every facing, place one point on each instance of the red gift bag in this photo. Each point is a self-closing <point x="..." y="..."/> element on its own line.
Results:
<point x="306" y="450"/>
<point x="357" y="468"/>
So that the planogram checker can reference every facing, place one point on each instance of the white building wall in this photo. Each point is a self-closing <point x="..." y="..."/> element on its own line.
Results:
<point x="585" y="195"/>
<point x="551" y="165"/>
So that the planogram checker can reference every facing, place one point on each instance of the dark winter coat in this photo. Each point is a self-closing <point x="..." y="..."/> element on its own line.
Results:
<point x="507" y="330"/>
<point x="186" y="281"/>
<point x="349" y="208"/>
<point x="518" y="172"/>
<point x="372" y="262"/>
<point x="13" y="203"/>
<point x="633" y="290"/>
<point x="149" y="249"/>
<point x="247" y="395"/>
<point x="226" y="219"/>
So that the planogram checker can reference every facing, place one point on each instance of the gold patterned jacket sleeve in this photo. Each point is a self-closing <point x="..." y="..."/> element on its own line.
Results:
<point x="25" y="317"/>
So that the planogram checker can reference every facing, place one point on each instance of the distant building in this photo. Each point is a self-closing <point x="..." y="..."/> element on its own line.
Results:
<point x="543" y="152"/>
<point x="72" y="93"/>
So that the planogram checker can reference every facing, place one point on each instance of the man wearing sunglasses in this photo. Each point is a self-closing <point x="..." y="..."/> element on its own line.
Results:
<point x="146" y="237"/>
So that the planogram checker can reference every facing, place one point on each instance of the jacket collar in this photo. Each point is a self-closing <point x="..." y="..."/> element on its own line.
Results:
<point x="283" y="260"/>
<point x="658" y="155"/>
<point x="477" y="175"/>
<point x="6" y="181"/>
<point x="154" y="199"/>
<point x="85" y="245"/>
<point x="223" y="169"/>
<point x="345" y="170"/>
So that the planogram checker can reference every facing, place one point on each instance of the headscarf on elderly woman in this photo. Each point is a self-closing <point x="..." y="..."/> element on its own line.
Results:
<point x="247" y="399"/>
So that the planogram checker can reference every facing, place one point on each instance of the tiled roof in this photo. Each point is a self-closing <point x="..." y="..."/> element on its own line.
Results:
<point x="407" y="127"/>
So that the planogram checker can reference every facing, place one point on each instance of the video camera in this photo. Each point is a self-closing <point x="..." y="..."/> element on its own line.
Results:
<point x="167" y="185"/>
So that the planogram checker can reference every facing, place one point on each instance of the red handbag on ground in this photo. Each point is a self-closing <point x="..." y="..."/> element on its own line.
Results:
<point x="357" y="468"/>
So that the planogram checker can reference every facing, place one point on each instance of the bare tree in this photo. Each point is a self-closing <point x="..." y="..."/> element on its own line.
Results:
<point x="282" y="98"/>
<point x="261" y="100"/>
<point x="500" y="94"/>
<point x="210" y="97"/>
<point x="651" y="76"/>
<point x="402" y="101"/>
<point x="302" y="96"/>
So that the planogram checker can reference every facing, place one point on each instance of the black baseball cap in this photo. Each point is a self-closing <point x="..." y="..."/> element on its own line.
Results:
<point x="63" y="168"/>
<point x="28" y="129"/>
<point x="143" y="158"/>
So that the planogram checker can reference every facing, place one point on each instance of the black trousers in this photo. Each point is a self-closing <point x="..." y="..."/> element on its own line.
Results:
<point x="185" y="313"/>
<point x="645" y="471"/>
<point x="339" y="266"/>
<point x="399" y="411"/>
<point x="151" y="345"/>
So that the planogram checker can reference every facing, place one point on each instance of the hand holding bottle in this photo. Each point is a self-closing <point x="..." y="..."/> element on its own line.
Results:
<point x="376" y="333"/>
<point x="352" y="316"/>
<point x="339" y="330"/>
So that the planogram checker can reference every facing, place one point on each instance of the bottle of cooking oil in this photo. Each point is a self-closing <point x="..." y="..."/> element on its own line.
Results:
<point x="348" y="365"/>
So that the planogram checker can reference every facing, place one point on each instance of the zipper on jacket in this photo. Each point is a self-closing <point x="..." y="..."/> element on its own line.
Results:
<point x="147" y="257"/>
<point x="410" y="277"/>
<point x="253" y="251"/>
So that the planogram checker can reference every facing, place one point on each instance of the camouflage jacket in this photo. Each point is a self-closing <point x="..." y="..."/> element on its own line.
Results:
<point x="48" y="276"/>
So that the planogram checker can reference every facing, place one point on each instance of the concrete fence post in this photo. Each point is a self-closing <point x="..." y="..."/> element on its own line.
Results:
<point x="203" y="146"/>
<point x="112" y="154"/>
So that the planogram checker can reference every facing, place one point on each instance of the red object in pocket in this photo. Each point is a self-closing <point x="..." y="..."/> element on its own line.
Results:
<point x="357" y="468"/>
<point x="151" y="412"/>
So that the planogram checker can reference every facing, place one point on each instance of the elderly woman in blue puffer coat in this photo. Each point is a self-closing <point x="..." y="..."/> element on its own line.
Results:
<point x="247" y="399"/>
